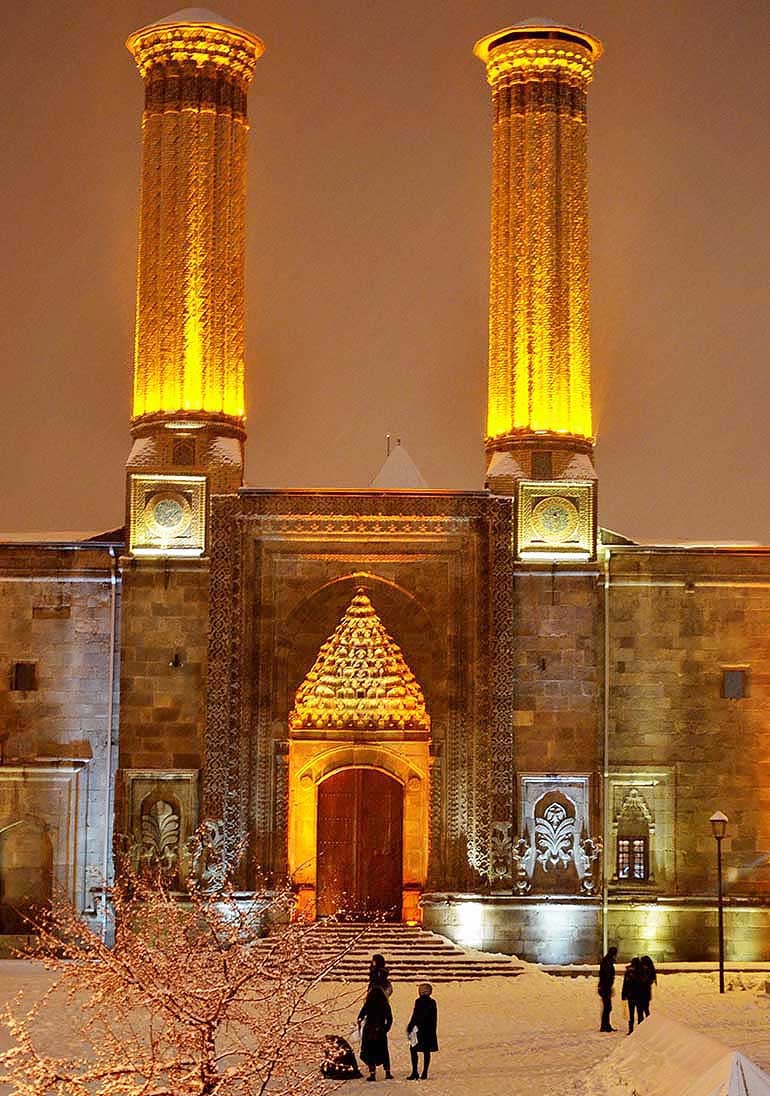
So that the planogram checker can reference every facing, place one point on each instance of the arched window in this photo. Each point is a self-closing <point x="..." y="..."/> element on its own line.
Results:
<point x="634" y="830"/>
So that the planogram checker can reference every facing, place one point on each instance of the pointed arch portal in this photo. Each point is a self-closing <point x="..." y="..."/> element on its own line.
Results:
<point x="359" y="776"/>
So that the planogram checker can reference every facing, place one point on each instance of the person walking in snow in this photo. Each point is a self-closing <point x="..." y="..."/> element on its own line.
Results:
<point x="647" y="967"/>
<point x="635" y="991"/>
<point x="379" y="975"/>
<point x="421" y="1030"/>
<point x="606" y="982"/>
<point x="376" y="1018"/>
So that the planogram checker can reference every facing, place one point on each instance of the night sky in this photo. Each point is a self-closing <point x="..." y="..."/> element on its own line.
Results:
<point x="367" y="253"/>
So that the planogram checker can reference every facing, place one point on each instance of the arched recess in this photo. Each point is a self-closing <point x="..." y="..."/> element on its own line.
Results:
<point x="634" y="828"/>
<point x="26" y="872"/>
<point x="311" y="762"/>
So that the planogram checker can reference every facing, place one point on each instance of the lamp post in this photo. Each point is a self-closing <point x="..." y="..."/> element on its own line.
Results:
<point x="718" y="822"/>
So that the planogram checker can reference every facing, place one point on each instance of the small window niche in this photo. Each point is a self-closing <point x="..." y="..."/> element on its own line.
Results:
<point x="634" y="840"/>
<point x="23" y="677"/>
<point x="735" y="682"/>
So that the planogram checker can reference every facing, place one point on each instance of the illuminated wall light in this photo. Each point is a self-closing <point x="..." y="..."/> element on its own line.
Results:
<point x="470" y="919"/>
<point x="189" y="342"/>
<point x="539" y="357"/>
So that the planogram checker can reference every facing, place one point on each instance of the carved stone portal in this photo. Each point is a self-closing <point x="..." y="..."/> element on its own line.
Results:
<point x="359" y="707"/>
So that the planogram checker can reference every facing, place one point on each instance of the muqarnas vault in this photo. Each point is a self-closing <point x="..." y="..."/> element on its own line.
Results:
<point x="476" y="709"/>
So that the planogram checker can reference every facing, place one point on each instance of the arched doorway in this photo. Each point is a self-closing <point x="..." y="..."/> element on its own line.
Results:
<point x="359" y="844"/>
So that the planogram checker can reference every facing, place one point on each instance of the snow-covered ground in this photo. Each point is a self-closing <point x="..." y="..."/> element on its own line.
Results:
<point x="535" y="1035"/>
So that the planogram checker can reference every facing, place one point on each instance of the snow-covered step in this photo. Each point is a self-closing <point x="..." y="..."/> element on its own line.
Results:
<point x="411" y="954"/>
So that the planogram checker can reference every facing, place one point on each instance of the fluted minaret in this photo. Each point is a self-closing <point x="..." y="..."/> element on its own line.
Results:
<point x="188" y="400"/>
<point x="539" y="400"/>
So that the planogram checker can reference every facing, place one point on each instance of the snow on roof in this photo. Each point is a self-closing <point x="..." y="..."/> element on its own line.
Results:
<point x="399" y="472"/>
<point x="194" y="15"/>
<point x="67" y="536"/>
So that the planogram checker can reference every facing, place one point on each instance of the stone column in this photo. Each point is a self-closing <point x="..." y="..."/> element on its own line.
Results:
<point x="539" y="400"/>
<point x="188" y="401"/>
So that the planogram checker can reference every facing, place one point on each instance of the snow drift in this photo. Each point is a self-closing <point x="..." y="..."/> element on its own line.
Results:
<point x="666" y="1058"/>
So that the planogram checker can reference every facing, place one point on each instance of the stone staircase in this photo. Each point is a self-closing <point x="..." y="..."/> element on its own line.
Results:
<point x="412" y="954"/>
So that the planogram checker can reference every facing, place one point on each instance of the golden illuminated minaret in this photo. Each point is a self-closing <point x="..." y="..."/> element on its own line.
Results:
<point x="188" y="397"/>
<point x="539" y="400"/>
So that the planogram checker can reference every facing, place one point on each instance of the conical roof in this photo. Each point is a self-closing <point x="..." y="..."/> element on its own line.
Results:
<point x="399" y="472"/>
<point x="359" y="680"/>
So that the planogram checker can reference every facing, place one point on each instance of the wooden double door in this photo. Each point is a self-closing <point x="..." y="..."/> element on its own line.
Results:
<point x="360" y="838"/>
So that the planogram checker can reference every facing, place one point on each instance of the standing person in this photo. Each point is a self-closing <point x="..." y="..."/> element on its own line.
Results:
<point x="421" y="1030"/>
<point x="377" y="1019"/>
<point x="379" y="975"/>
<point x="634" y="992"/>
<point x="650" y="978"/>
<point x="606" y="981"/>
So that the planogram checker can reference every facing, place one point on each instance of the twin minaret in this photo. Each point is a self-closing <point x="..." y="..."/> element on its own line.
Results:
<point x="189" y="404"/>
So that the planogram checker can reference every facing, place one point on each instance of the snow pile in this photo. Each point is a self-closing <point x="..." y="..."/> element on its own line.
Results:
<point x="533" y="1035"/>
<point x="666" y="1058"/>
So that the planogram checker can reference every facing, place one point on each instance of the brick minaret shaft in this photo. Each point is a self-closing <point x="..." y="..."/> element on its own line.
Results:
<point x="539" y="399"/>
<point x="188" y="401"/>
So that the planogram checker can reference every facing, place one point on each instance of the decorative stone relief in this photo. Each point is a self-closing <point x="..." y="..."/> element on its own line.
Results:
<point x="160" y="836"/>
<point x="239" y="770"/>
<point x="501" y="855"/>
<point x="162" y="813"/>
<point x="555" y="853"/>
<point x="555" y="836"/>
<point x="523" y="855"/>
<point x="360" y="680"/>
<point x="209" y="864"/>
<point x="167" y="515"/>
<point x="589" y="859"/>
<point x="556" y="520"/>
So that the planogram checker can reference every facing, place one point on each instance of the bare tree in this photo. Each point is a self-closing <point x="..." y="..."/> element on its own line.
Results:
<point x="192" y="999"/>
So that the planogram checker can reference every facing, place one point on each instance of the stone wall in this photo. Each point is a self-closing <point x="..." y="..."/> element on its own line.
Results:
<point x="163" y="685"/>
<point x="687" y="931"/>
<point x="558" y="678"/>
<point x="563" y="931"/>
<point x="539" y="931"/>
<point x="677" y="618"/>
<point x="59" y="610"/>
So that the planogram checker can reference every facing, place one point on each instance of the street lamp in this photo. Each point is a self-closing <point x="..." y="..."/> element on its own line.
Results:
<point x="718" y="822"/>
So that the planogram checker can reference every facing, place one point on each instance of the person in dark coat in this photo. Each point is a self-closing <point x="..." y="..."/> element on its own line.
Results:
<point x="379" y="975"/>
<point x="339" y="1062"/>
<point x="376" y="1017"/>
<point x="634" y="992"/>
<point x="421" y="1030"/>
<point x="606" y="981"/>
<point x="650" y="977"/>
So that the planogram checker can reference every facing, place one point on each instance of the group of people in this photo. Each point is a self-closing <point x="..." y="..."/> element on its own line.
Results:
<point x="638" y="980"/>
<point x="375" y="1021"/>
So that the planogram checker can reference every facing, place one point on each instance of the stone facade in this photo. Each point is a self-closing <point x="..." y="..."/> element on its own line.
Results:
<point x="60" y="617"/>
<point x="677" y="620"/>
<point x="588" y="703"/>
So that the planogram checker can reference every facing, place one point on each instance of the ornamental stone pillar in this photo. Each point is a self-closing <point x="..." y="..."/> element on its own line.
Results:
<point x="539" y="396"/>
<point x="188" y="397"/>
